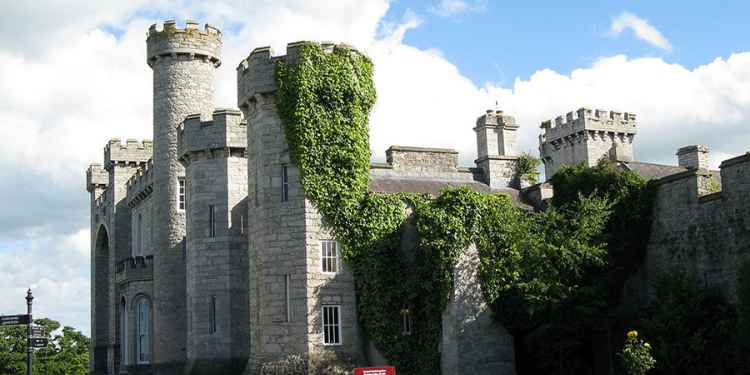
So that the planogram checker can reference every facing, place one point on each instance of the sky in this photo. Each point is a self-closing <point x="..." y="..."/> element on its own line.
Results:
<point x="73" y="75"/>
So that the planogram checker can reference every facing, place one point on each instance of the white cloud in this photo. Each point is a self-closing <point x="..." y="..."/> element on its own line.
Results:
<point x="62" y="102"/>
<point x="451" y="8"/>
<point x="642" y="28"/>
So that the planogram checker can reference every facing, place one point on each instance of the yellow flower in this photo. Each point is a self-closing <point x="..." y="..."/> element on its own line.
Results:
<point x="647" y="345"/>
<point x="633" y="334"/>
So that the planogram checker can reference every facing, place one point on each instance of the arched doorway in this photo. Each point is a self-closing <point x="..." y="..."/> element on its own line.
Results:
<point x="100" y="300"/>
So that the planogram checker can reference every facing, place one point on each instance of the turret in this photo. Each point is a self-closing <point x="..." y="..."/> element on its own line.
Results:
<point x="288" y="284"/>
<point x="693" y="157"/>
<point x="586" y="136"/>
<point x="213" y="153"/>
<point x="184" y="61"/>
<point x="497" y="149"/>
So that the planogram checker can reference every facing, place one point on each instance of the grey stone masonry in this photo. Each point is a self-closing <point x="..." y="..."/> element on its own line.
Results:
<point x="702" y="232"/>
<point x="183" y="63"/>
<point x="472" y="341"/>
<point x="693" y="157"/>
<point x="422" y="159"/>
<point x="287" y="284"/>
<point x="497" y="154"/>
<point x="586" y="136"/>
<point x="213" y="153"/>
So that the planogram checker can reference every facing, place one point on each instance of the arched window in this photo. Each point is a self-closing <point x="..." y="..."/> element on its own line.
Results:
<point x="123" y="333"/>
<point x="143" y="332"/>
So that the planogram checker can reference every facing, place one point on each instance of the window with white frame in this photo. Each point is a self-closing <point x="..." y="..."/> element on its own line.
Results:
<point x="143" y="333"/>
<point x="284" y="183"/>
<point x="181" y="193"/>
<point x="331" y="324"/>
<point x="406" y="322"/>
<point x="124" y="332"/>
<point x="211" y="221"/>
<point x="329" y="256"/>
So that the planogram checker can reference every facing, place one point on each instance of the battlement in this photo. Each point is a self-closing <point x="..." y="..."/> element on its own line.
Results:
<point x="135" y="268"/>
<point x="132" y="152"/>
<point x="190" y="41"/>
<point x="590" y="120"/>
<point x="96" y="178"/>
<point x="255" y="74"/>
<point x="496" y="118"/>
<point x="140" y="184"/>
<point x="225" y="131"/>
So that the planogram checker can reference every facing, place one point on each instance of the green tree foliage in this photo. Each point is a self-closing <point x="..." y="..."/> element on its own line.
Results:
<point x="67" y="353"/>
<point x="693" y="330"/>
<point x="528" y="168"/>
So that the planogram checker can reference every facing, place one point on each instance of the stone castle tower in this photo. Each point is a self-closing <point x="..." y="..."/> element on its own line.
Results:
<point x="586" y="136"/>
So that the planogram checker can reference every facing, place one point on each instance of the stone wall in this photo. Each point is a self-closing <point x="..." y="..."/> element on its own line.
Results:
<point x="472" y="341"/>
<point x="706" y="234"/>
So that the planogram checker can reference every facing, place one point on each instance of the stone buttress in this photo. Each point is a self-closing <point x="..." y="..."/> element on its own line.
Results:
<point x="183" y="63"/>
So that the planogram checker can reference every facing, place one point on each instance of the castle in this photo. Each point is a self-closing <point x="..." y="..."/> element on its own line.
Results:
<point x="206" y="258"/>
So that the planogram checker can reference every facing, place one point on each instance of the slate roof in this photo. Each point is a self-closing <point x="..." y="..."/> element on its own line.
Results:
<point x="652" y="170"/>
<point x="382" y="184"/>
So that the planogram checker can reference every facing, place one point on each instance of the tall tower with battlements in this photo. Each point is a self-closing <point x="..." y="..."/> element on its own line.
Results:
<point x="213" y="153"/>
<point x="183" y="61"/>
<point x="586" y="136"/>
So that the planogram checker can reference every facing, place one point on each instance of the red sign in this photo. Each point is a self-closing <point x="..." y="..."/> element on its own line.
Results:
<point x="385" y="370"/>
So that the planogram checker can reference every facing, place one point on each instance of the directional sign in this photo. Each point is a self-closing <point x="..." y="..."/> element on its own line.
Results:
<point x="37" y="331"/>
<point x="11" y="320"/>
<point x="385" y="370"/>
<point x="38" y="342"/>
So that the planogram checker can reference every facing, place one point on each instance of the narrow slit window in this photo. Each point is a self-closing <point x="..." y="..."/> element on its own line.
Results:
<point x="242" y="223"/>
<point x="330" y="256"/>
<point x="406" y="321"/>
<point x="212" y="315"/>
<point x="211" y="221"/>
<point x="288" y="297"/>
<point x="181" y="193"/>
<point x="284" y="183"/>
<point x="140" y="236"/>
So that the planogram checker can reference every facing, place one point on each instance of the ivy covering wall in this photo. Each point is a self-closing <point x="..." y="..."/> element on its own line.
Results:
<point x="402" y="248"/>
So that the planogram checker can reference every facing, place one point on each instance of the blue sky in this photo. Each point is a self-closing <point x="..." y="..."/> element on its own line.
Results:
<point x="498" y="41"/>
<point x="73" y="75"/>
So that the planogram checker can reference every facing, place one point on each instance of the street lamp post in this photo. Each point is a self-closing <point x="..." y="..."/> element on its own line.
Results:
<point x="29" y="349"/>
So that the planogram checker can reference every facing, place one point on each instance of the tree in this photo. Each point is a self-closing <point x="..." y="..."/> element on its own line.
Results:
<point x="66" y="354"/>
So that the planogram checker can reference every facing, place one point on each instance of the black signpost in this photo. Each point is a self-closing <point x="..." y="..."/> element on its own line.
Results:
<point x="29" y="348"/>
<point x="38" y="342"/>
<point x="31" y="330"/>
<point x="12" y="320"/>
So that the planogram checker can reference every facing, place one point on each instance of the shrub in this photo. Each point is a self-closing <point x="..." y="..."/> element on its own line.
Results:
<point x="636" y="355"/>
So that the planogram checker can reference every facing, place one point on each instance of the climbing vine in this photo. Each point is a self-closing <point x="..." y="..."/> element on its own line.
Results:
<point x="402" y="248"/>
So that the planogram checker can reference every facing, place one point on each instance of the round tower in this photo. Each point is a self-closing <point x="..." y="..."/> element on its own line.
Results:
<point x="184" y="62"/>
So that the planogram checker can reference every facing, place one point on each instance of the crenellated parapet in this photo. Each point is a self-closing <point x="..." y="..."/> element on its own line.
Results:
<point x="255" y="74"/>
<point x="223" y="136"/>
<point x="97" y="178"/>
<point x="591" y="121"/>
<point x="131" y="153"/>
<point x="191" y="42"/>
<point x="587" y="136"/>
<point x="140" y="184"/>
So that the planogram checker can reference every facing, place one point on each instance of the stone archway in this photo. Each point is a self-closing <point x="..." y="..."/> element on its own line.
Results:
<point x="100" y="300"/>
